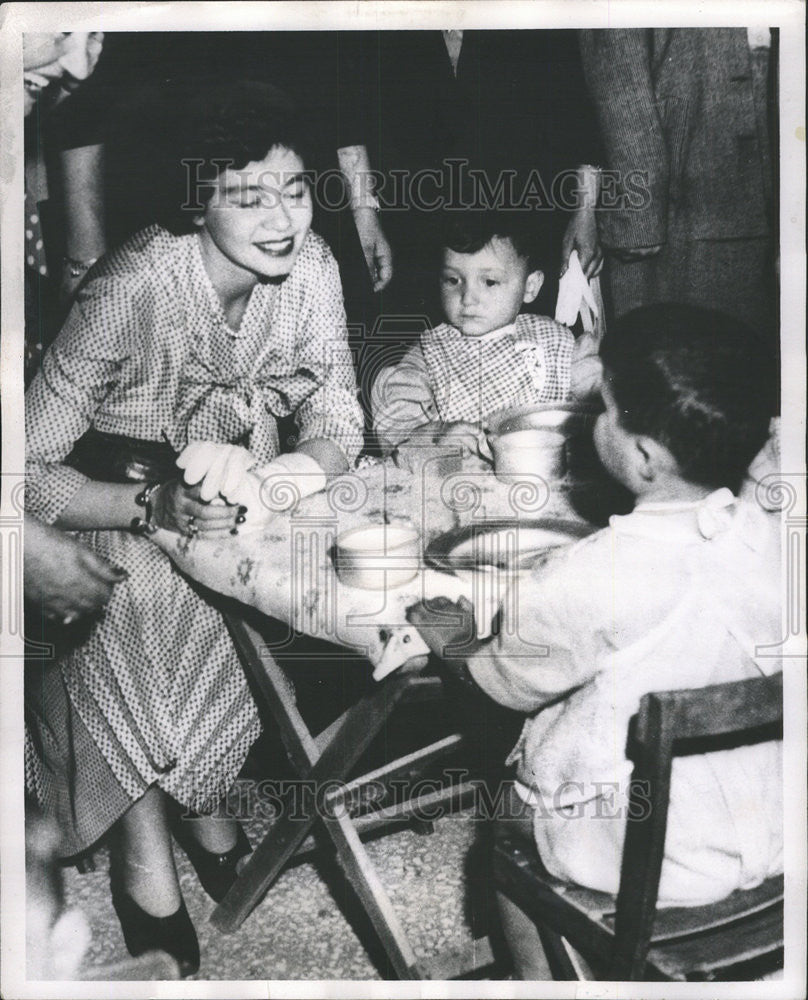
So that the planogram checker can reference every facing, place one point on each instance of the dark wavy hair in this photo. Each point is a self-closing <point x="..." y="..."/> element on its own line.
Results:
<point x="470" y="231"/>
<point x="219" y="126"/>
<point x="697" y="381"/>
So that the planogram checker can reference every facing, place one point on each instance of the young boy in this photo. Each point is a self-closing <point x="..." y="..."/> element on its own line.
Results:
<point x="487" y="355"/>
<point x="683" y="592"/>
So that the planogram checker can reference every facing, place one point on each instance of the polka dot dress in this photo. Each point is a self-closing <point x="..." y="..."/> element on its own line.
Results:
<point x="34" y="247"/>
<point x="36" y="264"/>
<point x="146" y="352"/>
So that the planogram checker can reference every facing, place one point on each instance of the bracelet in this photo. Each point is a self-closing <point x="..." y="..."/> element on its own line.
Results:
<point x="144" y="525"/>
<point x="78" y="267"/>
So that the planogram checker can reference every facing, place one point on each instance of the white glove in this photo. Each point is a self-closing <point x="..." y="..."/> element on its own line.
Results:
<point x="220" y="468"/>
<point x="269" y="489"/>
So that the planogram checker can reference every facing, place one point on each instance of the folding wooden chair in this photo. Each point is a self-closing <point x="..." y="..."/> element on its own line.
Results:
<point x="628" y="935"/>
<point x="326" y="760"/>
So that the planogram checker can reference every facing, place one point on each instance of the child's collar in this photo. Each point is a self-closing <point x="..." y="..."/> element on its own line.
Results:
<point x="718" y="498"/>
<point x="502" y="331"/>
<point x="711" y="512"/>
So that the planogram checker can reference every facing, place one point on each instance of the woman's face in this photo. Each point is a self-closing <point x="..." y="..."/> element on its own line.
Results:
<point x="259" y="216"/>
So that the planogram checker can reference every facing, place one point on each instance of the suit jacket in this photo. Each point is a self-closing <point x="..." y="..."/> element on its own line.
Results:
<point x="678" y="104"/>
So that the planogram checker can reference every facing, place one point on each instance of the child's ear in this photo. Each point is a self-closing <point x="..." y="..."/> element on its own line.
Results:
<point x="653" y="459"/>
<point x="533" y="285"/>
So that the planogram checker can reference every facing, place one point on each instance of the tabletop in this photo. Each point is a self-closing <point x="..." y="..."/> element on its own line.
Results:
<point x="285" y="569"/>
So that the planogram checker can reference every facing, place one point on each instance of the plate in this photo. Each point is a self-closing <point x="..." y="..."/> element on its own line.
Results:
<point x="506" y="544"/>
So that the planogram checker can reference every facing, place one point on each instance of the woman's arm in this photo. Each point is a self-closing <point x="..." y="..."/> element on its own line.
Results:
<point x="330" y="420"/>
<point x="80" y="371"/>
<point x="355" y="165"/>
<point x="82" y="172"/>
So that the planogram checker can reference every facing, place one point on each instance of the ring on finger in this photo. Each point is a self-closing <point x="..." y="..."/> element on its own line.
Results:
<point x="192" y="527"/>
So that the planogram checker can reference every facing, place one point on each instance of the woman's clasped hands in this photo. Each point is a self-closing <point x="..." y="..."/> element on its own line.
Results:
<point x="214" y="496"/>
<point x="225" y="491"/>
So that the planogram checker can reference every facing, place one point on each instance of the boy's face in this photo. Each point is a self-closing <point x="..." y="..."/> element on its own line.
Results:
<point x="484" y="291"/>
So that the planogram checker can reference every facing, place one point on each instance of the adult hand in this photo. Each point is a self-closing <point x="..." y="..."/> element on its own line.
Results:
<point x="66" y="578"/>
<point x="377" y="251"/>
<point x="581" y="234"/>
<point x="218" y="469"/>
<point x="180" y="508"/>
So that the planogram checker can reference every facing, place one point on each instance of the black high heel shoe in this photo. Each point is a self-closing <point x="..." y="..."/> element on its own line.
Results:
<point x="142" y="932"/>
<point x="216" y="872"/>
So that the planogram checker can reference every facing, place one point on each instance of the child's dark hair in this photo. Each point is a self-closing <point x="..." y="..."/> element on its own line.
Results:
<point x="225" y="125"/>
<point x="470" y="231"/>
<point x="695" y="380"/>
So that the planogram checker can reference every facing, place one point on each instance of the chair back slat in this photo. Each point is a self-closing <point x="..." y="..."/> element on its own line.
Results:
<point x="746" y="709"/>
<point x="717" y="710"/>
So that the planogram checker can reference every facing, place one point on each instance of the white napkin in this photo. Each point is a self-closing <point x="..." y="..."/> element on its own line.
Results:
<point x="577" y="296"/>
<point x="484" y="588"/>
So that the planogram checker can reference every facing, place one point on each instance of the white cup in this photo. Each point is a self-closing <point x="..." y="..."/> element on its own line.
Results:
<point x="520" y="454"/>
<point x="378" y="556"/>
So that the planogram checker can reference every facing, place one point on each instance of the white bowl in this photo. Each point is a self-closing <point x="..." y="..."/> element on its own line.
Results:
<point x="378" y="556"/>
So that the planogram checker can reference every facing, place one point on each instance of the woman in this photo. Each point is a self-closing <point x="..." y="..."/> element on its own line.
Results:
<point x="207" y="335"/>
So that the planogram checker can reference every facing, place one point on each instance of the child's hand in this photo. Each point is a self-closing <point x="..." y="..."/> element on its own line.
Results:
<point x="450" y="632"/>
<point x="447" y="628"/>
<point x="466" y="436"/>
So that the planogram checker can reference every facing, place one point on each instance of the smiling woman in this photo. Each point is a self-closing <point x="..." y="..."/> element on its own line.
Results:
<point x="47" y="57"/>
<point x="210" y="332"/>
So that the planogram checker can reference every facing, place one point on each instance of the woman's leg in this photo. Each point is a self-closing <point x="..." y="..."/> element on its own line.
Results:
<point x="214" y="834"/>
<point x="147" y="859"/>
<point x="527" y="951"/>
<point x="145" y="891"/>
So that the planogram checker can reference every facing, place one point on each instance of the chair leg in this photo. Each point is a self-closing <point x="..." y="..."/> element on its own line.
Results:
<point x="374" y="898"/>
<point x="86" y="863"/>
<point x="423" y="827"/>
<point x="558" y="955"/>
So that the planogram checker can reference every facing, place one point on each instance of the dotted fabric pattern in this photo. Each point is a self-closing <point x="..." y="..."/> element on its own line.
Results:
<point x="157" y="683"/>
<point x="146" y="352"/>
<point x="34" y="247"/>
<point x="471" y="378"/>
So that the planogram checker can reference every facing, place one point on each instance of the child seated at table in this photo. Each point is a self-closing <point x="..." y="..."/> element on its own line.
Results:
<point x="487" y="355"/>
<point x="683" y="592"/>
